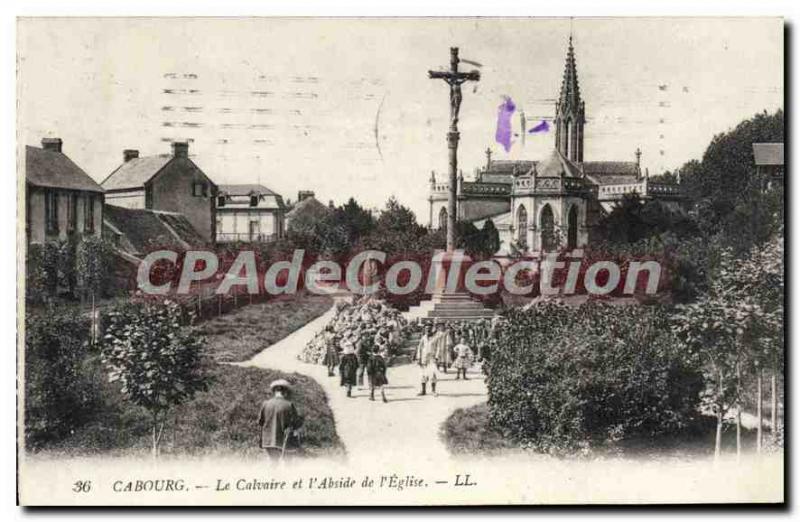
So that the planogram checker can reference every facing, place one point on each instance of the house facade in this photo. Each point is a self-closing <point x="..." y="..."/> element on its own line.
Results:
<point x="249" y="213"/>
<point x="61" y="200"/>
<point x="168" y="183"/>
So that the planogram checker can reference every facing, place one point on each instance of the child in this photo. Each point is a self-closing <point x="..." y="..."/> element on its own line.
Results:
<point x="463" y="358"/>
<point x="376" y="370"/>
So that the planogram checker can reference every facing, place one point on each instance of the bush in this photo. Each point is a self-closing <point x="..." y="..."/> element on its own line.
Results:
<point x="565" y="378"/>
<point x="59" y="395"/>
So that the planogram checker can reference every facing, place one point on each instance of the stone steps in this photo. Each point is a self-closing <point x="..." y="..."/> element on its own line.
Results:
<point x="450" y="307"/>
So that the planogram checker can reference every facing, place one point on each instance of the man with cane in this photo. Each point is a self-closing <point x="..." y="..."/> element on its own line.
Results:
<point x="279" y="422"/>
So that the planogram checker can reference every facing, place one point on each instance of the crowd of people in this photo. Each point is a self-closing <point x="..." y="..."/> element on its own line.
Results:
<point x="359" y="341"/>
<point x="366" y="333"/>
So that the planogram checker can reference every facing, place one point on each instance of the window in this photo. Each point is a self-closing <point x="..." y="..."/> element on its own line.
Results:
<point x="255" y="229"/>
<point x="254" y="200"/>
<point x="547" y="225"/>
<point x="572" y="227"/>
<point x="51" y="211"/>
<point x="220" y="201"/>
<point x="88" y="215"/>
<point x="199" y="190"/>
<point x="72" y="213"/>
<point x="522" y="227"/>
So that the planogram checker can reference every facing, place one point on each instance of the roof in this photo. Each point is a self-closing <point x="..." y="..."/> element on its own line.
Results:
<point x="245" y="189"/>
<point x="136" y="172"/>
<point x="46" y="168"/>
<point x="142" y="230"/>
<point x="611" y="172"/>
<point x="309" y="205"/>
<point x="557" y="165"/>
<point x="768" y="153"/>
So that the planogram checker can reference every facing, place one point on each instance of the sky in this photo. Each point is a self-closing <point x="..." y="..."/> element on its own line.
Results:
<point x="344" y="107"/>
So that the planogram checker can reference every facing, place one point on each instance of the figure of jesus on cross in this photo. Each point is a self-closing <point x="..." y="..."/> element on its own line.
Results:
<point x="454" y="79"/>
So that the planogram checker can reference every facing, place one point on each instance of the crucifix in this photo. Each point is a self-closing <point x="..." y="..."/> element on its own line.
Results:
<point x="454" y="79"/>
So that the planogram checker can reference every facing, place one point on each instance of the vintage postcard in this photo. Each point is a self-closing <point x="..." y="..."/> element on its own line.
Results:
<point x="400" y="261"/>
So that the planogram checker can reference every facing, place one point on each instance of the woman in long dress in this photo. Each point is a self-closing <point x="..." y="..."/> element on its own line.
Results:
<point x="349" y="364"/>
<point x="331" y="351"/>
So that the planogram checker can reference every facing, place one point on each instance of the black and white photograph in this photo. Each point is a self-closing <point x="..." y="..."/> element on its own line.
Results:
<point x="446" y="261"/>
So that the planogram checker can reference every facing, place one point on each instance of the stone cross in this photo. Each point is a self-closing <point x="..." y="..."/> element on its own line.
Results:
<point x="454" y="78"/>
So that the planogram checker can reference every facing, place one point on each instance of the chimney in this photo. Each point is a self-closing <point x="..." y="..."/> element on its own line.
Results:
<point x="52" y="144"/>
<point x="304" y="194"/>
<point x="180" y="149"/>
<point x="129" y="154"/>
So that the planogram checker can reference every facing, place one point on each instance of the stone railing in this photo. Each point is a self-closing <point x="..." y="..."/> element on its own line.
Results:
<point x="485" y="189"/>
<point x="556" y="185"/>
<point x="439" y="187"/>
<point x="644" y="188"/>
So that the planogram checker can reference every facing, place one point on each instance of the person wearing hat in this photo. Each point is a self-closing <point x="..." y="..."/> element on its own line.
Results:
<point x="331" y="359"/>
<point x="425" y="356"/>
<point x="348" y="366"/>
<point x="279" y="420"/>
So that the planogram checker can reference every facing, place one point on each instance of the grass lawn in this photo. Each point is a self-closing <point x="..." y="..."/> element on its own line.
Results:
<point x="467" y="431"/>
<point x="241" y="334"/>
<point x="221" y="421"/>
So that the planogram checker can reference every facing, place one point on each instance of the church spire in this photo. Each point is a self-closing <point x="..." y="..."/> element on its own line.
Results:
<point x="570" y="111"/>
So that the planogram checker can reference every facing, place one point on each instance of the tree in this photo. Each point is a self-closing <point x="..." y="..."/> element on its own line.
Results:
<point x="633" y="219"/>
<point x="726" y="175"/>
<point x="356" y="220"/>
<point x="41" y="264"/>
<point x="396" y="230"/>
<point x="491" y="238"/>
<point x="92" y="262"/>
<point x="59" y="393"/>
<point x="157" y="362"/>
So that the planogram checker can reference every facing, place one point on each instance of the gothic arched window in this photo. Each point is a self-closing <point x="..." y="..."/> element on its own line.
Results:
<point x="443" y="219"/>
<point x="572" y="227"/>
<point x="547" y="226"/>
<point x="522" y="227"/>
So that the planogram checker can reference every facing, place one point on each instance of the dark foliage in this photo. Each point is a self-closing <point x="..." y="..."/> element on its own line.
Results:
<point x="563" y="379"/>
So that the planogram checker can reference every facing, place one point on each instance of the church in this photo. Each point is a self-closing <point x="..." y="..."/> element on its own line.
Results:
<point x="540" y="206"/>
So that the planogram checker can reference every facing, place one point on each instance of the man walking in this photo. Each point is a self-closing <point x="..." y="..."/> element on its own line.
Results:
<point x="279" y="421"/>
<point x="426" y="358"/>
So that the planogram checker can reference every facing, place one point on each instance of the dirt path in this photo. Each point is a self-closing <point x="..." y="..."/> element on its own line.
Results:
<point x="406" y="421"/>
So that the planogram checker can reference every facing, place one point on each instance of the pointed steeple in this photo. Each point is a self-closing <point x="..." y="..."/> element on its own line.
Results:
<point x="570" y="96"/>
<point x="570" y="111"/>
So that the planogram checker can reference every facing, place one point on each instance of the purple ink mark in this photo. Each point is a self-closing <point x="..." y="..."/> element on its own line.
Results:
<point x="504" y="112"/>
<point x="542" y="127"/>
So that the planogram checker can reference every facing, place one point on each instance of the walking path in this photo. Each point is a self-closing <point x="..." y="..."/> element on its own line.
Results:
<point x="406" y="421"/>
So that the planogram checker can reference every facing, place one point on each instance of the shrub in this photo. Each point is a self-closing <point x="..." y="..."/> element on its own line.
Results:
<point x="156" y="360"/>
<point x="565" y="378"/>
<point x="59" y="395"/>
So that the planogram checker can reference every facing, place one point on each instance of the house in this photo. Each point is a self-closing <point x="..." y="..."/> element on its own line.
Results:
<point x="168" y="183"/>
<point x="61" y="200"/>
<point x="769" y="163"/>
<point x="249" y="213"/>
<point x="308" y="209"/>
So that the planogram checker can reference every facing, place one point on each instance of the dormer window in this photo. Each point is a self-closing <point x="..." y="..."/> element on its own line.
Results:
<point x="254" y="200"/>
<point x="220" y="201"/>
